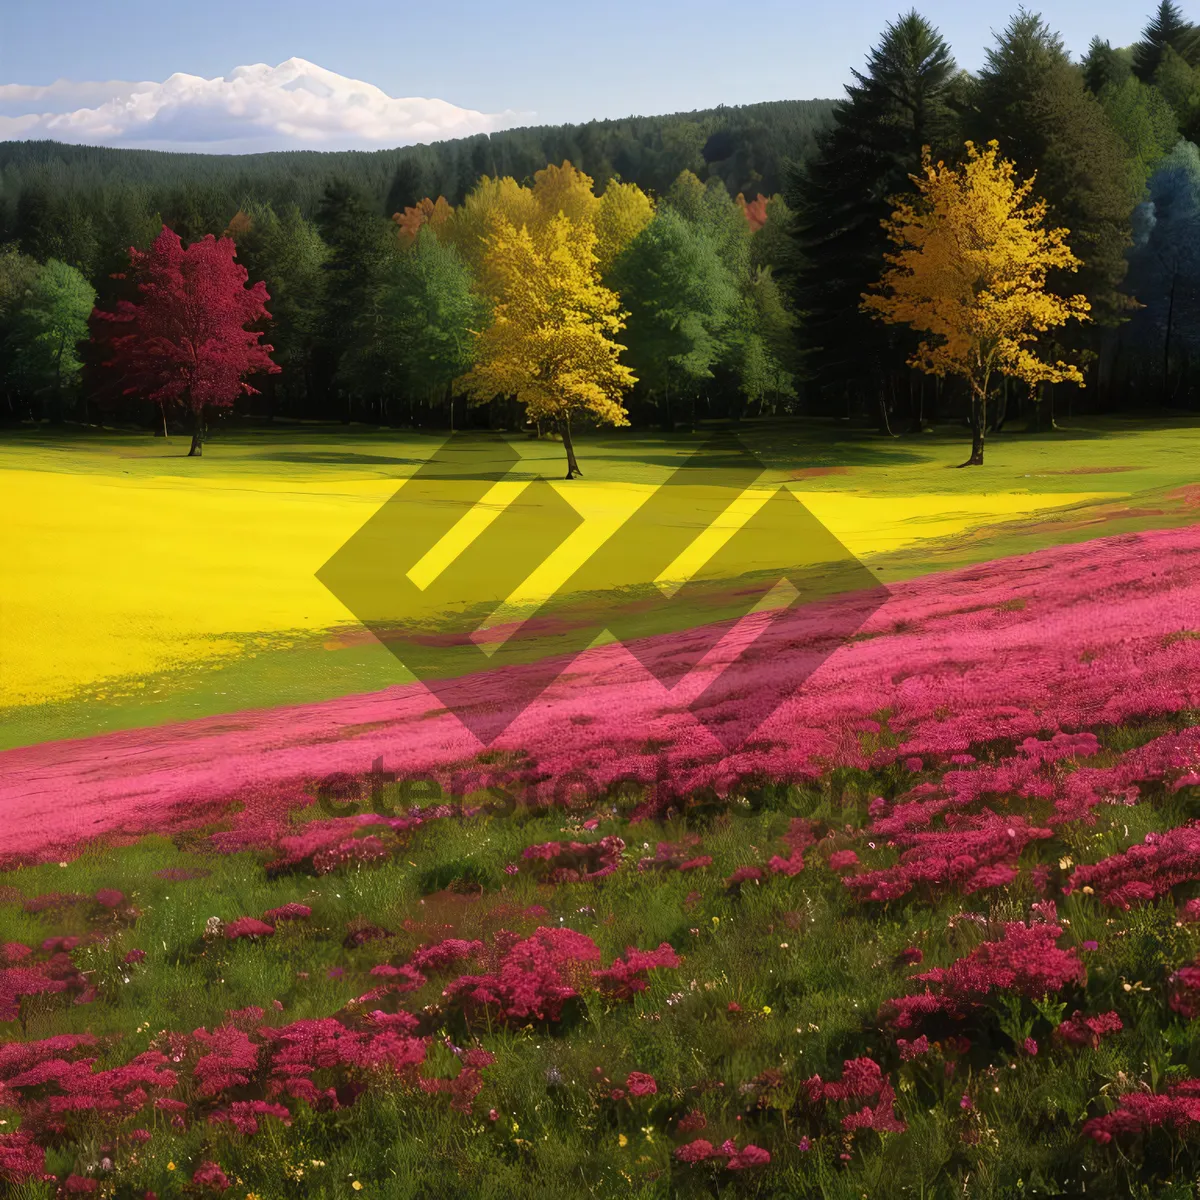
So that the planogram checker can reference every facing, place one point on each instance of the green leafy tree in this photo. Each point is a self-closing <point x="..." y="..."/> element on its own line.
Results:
<point x="1179" y="83"/>
<point x="680" y="297"/>
<point x="1146" y="123"/>
<point x="50" y="322"/>
<point x="17" y="273"/>
<point x="772" y="244"/>
<point x="754" y="345"/>
<point x="759" y="341"/>
<point x="416" y="336"/>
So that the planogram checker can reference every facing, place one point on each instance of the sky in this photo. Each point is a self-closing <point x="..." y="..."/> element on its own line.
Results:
<point x="520" y="62"/>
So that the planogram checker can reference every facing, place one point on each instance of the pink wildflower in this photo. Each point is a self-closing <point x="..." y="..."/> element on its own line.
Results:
<point x="640" y="1084"/>
<point x="288" y="912"/>
<point x="209" y="1175"/>
<point x="248" y="927"/>
<point x="21" y="1158"/>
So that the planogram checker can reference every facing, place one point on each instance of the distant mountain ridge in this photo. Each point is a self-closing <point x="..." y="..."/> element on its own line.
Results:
<point x="746" y="146"/>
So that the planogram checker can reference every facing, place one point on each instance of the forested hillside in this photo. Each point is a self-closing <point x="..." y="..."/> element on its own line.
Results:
<point x="747" y="148"/>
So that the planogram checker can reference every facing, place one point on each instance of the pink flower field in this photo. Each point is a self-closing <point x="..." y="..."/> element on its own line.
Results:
<point x="947" y="891"/>
<point x="1039" y="646"/>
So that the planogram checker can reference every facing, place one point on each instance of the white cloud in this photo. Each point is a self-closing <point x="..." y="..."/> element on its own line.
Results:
<point x="294" y="106"/>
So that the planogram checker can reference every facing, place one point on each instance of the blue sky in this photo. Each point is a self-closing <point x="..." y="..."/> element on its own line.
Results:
<point x="565" y="63"/>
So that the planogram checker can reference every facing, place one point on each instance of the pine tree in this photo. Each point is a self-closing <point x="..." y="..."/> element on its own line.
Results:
<point x="287" y="253"/>
<point x="893" y="109"/>
<point x="1032" y="100"/>
<point x="360" y="241"/>
<point x="1102" y="65"/>
<point x="1166" y="28"/>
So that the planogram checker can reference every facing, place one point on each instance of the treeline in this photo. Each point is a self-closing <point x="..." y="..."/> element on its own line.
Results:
<point x="748" y="238"/>
<point x="79" y="202"/>
<point x="519" y="302"/>
<point x="1111" y="140"/>
<point x="331" y="233"/>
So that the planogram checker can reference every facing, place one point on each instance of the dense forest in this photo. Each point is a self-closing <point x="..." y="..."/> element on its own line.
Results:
<point x="737" y="243"/>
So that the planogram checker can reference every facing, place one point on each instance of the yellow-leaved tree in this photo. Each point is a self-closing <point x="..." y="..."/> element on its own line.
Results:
<point x="625" y="210"/>
<point x="565" y="190"/>
<point x="468" y="227"/>
<point x="970" y="273"/>
<point x="550" y="342"/>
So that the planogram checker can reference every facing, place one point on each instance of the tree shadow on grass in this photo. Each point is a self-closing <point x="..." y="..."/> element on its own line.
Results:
<point x="333" y="458"/>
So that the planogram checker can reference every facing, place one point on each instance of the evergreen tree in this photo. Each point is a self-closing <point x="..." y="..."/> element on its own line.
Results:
<point x="893" y="109"/>
<point x="1102" y="66"/>
<point x="288" y="254"/>
<point x="412" y="182"/>
<point x="1033" y="101"/>
<point x="1166" y="28"/>
<point x="360" y="241"/>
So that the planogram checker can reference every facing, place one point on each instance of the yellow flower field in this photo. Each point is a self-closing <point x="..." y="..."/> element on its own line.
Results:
<point x="116" y="573"/>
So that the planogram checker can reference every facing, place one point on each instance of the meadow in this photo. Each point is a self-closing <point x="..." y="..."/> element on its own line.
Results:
<point x="933" y="930"/>
<point x="226" y="612"/>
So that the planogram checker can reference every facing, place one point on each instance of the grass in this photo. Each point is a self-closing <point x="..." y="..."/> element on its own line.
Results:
<point x="142" y="587"/>
<point x="807" y="966"/>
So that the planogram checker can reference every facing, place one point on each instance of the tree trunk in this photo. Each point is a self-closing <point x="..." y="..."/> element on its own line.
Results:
<point x="162" y="408"/>
<point x="58" y="375"/>
<point x="197" y="435"/>
<point x="572" y="466"/>
<point x="1001" y="407"/>
<point x="1166" y="384"/>
<point x="978" y="425"/>
<point x="885" y="426"/>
